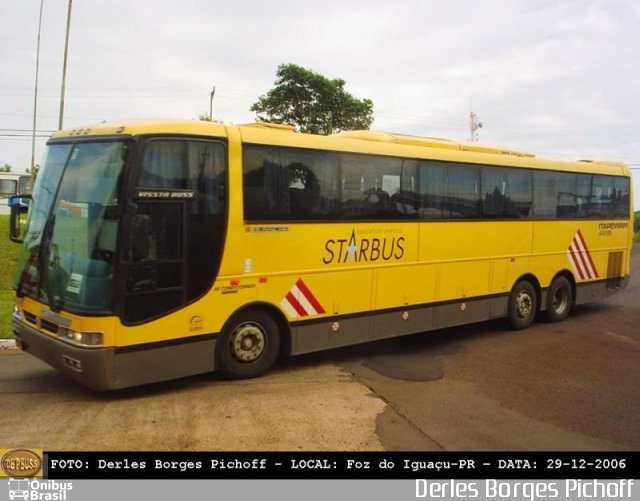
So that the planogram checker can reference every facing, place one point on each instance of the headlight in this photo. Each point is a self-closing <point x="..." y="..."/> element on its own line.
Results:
<point x="81" y="338"/>
<point x="17" y="312"/>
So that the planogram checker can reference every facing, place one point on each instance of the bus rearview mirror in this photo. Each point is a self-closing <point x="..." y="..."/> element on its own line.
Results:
<point x="19" y="205"/>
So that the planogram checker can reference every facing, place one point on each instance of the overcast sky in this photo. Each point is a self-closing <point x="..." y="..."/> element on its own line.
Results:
<point x="559" y="78"/>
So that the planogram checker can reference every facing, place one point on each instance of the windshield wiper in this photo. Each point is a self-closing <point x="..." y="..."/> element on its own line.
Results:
<point x="55" y="303"/>
<point x="57" y="300"/>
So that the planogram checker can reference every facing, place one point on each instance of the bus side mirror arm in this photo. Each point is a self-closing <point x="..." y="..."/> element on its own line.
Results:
<point x="19" y="207"/>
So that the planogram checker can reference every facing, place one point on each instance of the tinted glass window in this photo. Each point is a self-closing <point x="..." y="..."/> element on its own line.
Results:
<point x="609" y="197"/>
<point x="520" y="193"/>
<point x="494" y="186"/>
<point x="567" y="201"/>
<point x="185" y="236"/>
<point x="165" y="165"/>
<point x="433" y="190"/>
<point x="24" y="185"/>
<point x="187" y="165"/>
<point x="621" y="198"/>
<point x="406" y="200"/>
<point x="312" y="184"/>
<point x="601" y="196"/>
<point x="449" y="191"/>
<point x="368" y="185"/>
<point x="287" y="184"/>
<point x="463" y="191"/>
<point x="545" y="195"/>
<point x="299" y="185"/>
<point x="564" y="195"/>
<point x="8" y="186"/>
<point x="583" y="194"/>
<point x="506" y="193"/>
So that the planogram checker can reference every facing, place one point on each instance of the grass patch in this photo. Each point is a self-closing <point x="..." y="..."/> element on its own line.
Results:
<point x="8" y="258"/>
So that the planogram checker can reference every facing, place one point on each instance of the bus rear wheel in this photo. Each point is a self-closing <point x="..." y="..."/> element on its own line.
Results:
<point x="559" y="299"/>
<point x="249" y="345"/>
<point x="523" y="305"/>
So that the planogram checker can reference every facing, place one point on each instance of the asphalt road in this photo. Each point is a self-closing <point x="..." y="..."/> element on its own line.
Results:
<point x="566" y="386"/>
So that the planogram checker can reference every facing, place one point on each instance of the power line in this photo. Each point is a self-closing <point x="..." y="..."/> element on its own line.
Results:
<point x="26" y="130"/>
<point x="24" y="135"/>
<point x="25" y="139"/>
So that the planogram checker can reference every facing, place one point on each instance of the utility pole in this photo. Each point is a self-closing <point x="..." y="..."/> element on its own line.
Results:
<point x="213" y="93"/>
<point x="35" y="101"/>
<point x="64" y="67"/>
<point x="474" y="125"/>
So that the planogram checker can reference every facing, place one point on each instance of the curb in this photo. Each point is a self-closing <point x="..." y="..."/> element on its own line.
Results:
<point x="7" y="344"/>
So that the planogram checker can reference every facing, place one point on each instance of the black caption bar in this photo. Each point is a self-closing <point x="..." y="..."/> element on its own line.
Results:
<point x="341" y="465"/>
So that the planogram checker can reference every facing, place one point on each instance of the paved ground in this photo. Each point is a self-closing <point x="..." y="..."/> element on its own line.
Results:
<point x="570" y="386"/>
<point x="319" y="407"/>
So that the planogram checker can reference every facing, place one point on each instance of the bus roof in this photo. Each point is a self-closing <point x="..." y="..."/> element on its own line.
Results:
<point x="139" y="127"/>
<point x="361" y="141"/>
<point x="430" y="142"/>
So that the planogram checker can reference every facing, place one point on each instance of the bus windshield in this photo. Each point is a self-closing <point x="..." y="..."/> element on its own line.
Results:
<point x="69" y="250"/>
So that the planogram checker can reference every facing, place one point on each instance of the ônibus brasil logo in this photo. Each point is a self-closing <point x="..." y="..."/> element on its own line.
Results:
<point x="38" y="490"/>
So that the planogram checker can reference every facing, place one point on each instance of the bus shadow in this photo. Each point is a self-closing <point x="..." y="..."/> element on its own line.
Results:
<point x="416" y="357"/>
<point x="390" y="355"/>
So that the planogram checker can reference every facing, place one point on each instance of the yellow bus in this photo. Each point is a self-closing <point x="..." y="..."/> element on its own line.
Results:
<point x="160" y="250"/>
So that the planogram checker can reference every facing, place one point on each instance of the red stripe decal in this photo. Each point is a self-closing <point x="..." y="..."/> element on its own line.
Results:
<point x="584" y="245"/>
<point x="296" y="305"/>
<point x="576" y="262"/>
<point x="584" y="263"/>
<point x="310" y="297"/>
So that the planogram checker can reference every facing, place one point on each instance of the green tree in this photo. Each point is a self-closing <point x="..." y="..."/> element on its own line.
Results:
<point x="5" y="168"/>
<point x="312" y="103"/>
<point x="206" y="118"/>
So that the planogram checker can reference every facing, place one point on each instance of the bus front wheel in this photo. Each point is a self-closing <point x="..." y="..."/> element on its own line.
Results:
<point x="248" y="346"/>
<point x="523" y="305"/>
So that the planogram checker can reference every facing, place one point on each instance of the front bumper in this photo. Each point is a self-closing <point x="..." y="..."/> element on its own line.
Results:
<point x="114" y="368"/>
<point x="90" y="366"/>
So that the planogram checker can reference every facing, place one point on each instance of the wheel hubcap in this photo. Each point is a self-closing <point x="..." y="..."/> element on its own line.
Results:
<point x="248" y="342"/>
<point x="524" y="304"/>
<point x="560" y="301"/>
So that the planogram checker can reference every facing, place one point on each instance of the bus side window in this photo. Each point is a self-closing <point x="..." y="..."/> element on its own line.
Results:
<point x="164" y="165"/>
<point x="583" y="194"/>
<point x="8" y="187"/>
<point x="566" y="202"/>
<point x="620" y="205"/>
<point x="304" y="188"/>
<point x="24" y="185"/>
<point x="263" y="172"/>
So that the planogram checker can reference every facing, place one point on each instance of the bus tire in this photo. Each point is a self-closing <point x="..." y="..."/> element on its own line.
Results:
<point x="559" y="299"/>
<point x="249" y="345"/>
<point x="523" y="305"/>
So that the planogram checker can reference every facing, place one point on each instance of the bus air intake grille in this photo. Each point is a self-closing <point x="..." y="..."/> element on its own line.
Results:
<point x="31" y="318"/>
<point x="49" y="326"/>
<point x="614" y="270"/>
